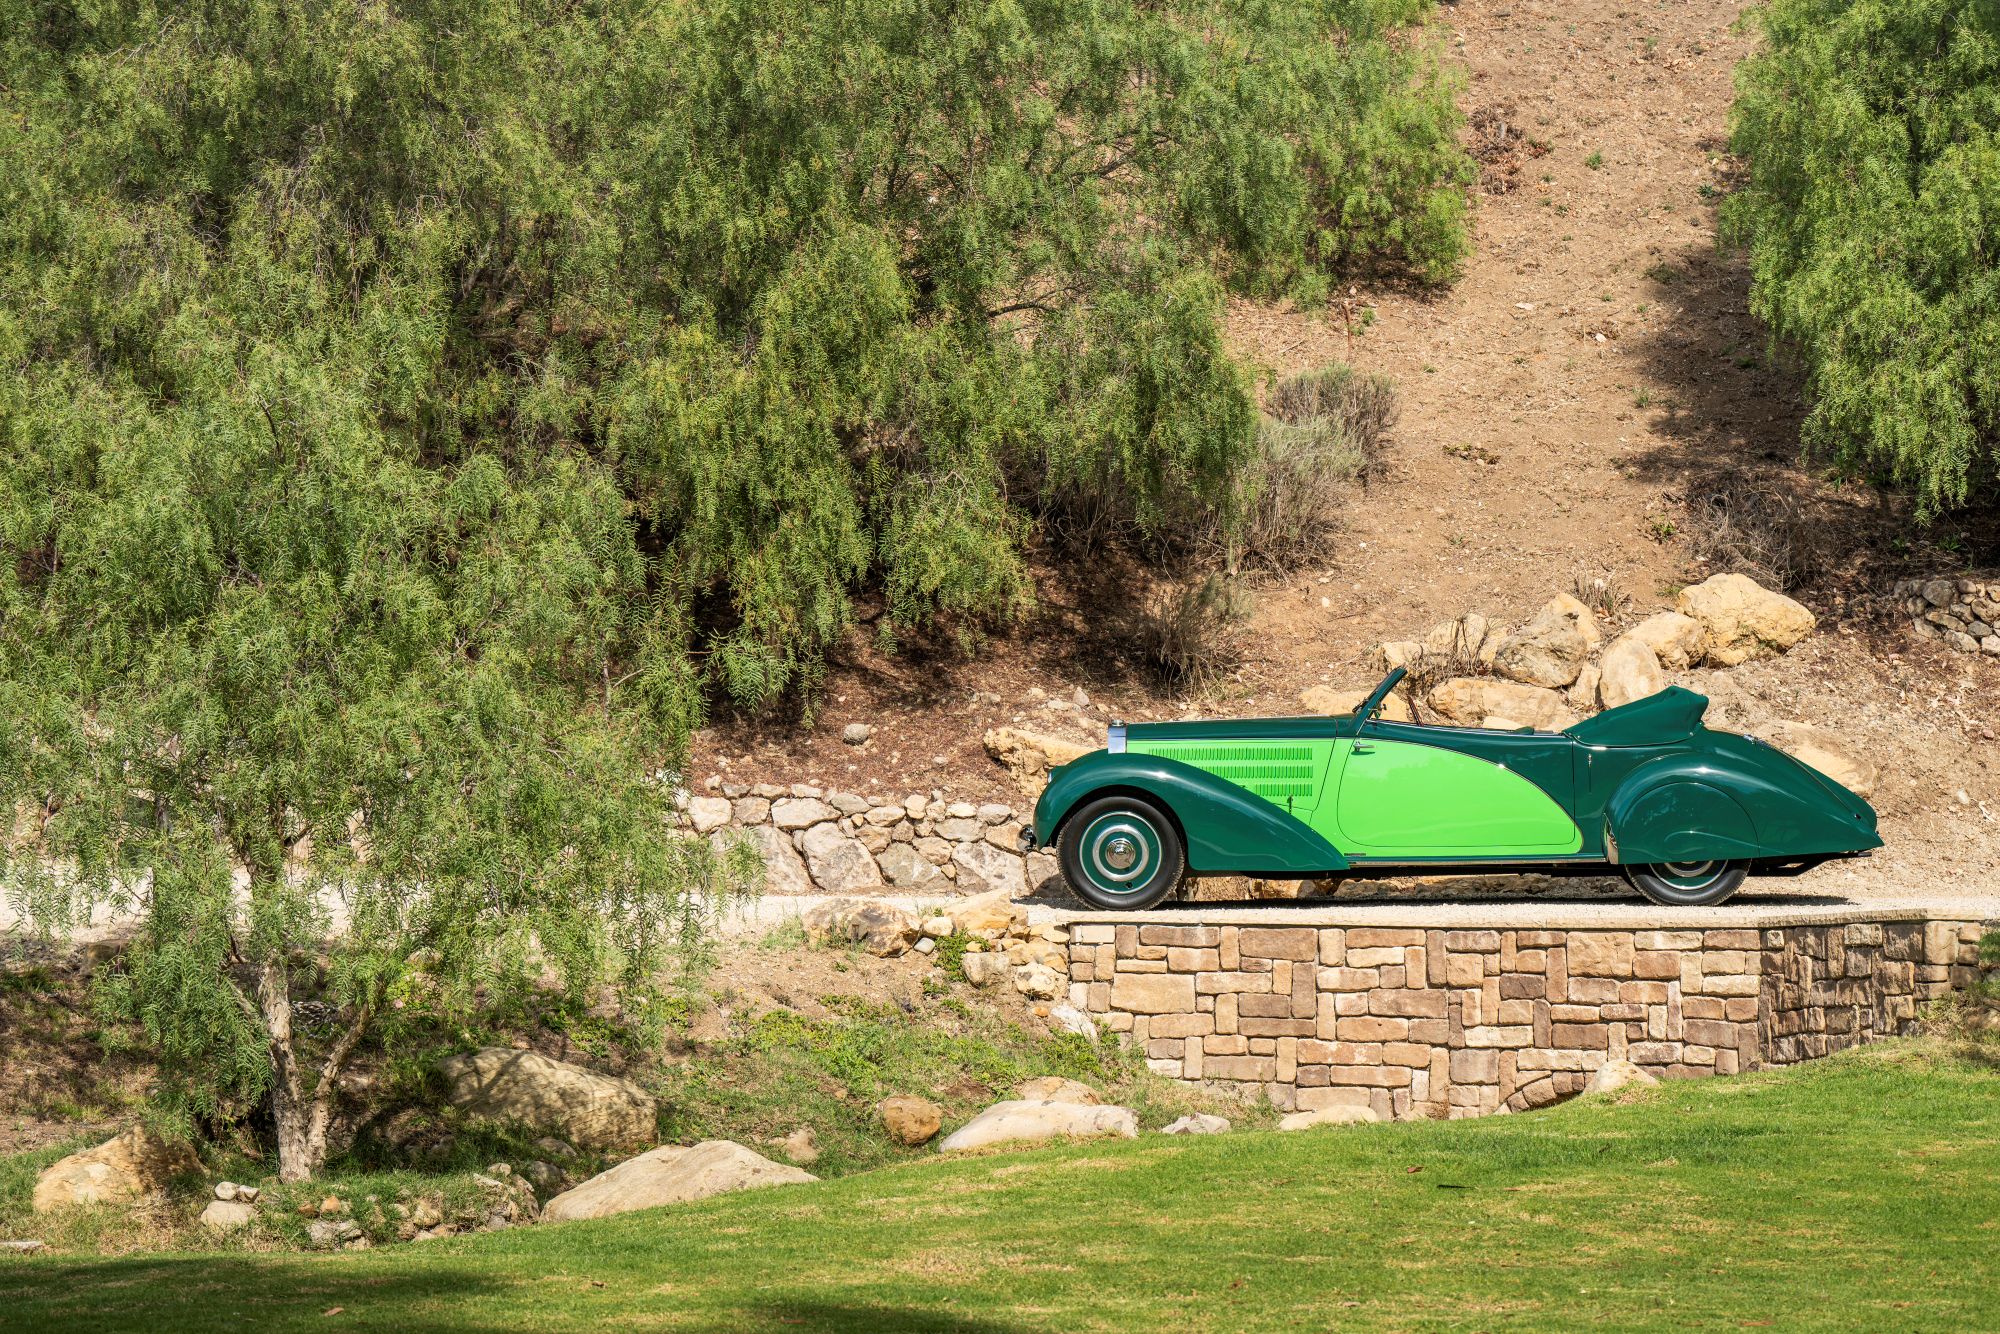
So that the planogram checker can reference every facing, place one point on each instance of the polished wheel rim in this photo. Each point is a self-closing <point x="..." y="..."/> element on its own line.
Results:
<point x="1120" y="852"/>
<point x="1689" y="875"/>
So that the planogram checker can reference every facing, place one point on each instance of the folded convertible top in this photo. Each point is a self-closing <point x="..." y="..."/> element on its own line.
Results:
<point x="1657" y="720"/>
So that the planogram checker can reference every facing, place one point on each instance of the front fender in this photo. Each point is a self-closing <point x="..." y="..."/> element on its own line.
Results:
<point x="1227" y="830"/>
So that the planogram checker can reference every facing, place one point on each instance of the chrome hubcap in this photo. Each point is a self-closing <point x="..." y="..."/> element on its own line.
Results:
<point x="1120" y="853"/>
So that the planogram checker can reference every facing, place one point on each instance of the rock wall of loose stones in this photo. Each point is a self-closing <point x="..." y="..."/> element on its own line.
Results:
<point x="1965" y="613"/>
<point x="1417" y="1022"/>
<point x="820" y="841"/>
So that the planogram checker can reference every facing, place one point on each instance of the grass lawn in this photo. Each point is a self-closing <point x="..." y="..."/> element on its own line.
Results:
<point x="1861" y="1192"/>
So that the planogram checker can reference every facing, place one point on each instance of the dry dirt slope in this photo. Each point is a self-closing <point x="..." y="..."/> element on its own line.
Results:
<point x="1596" y="355"/>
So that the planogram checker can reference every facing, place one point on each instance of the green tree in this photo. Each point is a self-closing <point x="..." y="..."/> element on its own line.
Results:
<point x="1872" y="217"/>
<point x="411" y="415"/>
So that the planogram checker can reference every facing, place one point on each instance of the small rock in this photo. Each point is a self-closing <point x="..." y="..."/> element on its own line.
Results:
<point x="800" y="812"/>
<point x="1677" y="641"/>
<point x="25" y="1246"/>
<point x="325" y="1234"/>
<point x="553" y="1147"/>
<point x="927" y="945"/>
<point x="984" y="969"/>
<point x="229" y="1216"/>
<point x="848" y="803"/>
<point x="839" y="864"/>
<point x="1030" y="755"/>
<point x="983" y="866"/>
<point x="882" y="929"/>
<point x="801" y="1146"/>
<point x="1199" y="1123"/>
<point x="1054" y="1088"/>
<point x="331" y="1206"/>
<point x="1617" y="1074"/>
<point x="1631" y="671"/>
<point x="1549" y="650"/>
<point x="939" y="926"/>
<point x="909" y="1120"/>
<point x="708" y="814"/>
<point x="1072" y="1020"/>
<point x="856" y="734"/>
<point x="906" y="866"/>
<point x="993" y="813"/>
<point x="1038" y="981"/>
<point x="1339" y="1115"/>
<point x="225" y="1190"/>
<point x="1331" y="703"/>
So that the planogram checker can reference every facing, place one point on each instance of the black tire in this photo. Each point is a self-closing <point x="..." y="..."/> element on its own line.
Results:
<point x="1121" y="853"/>
<point x="1687" y="884"/>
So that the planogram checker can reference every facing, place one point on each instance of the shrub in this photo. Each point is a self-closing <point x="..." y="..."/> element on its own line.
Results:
<point x="1872" y="132"/>
<point x="1187" y="630"/>
<point x="1738" y="524"/>
<point x="1321" y="438"/>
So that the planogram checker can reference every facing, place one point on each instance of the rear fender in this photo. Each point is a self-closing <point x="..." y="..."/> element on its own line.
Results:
<point x="1736" y="800"/>
<point x="1226" y="829"/>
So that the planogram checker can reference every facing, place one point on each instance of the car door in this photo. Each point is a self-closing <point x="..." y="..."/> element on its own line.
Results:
<point x="1402" y="791"/>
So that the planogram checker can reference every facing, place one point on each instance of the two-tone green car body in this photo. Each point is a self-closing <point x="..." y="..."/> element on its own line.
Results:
<point x="1682" y="811"/>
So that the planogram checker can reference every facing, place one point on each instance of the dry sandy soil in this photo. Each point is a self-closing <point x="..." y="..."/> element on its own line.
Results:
<point x="1563" y="405"/>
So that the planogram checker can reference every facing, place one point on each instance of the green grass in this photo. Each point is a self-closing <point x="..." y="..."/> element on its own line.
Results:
<point x="1856" y="1193"/>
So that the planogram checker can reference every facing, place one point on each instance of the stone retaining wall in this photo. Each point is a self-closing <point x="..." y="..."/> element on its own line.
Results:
<point x="1417" y="1022"/>
<point x="1965" y="612"/>
<point x="820" y="841"/>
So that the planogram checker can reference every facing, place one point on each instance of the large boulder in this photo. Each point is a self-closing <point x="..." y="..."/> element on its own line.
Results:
<point x="1677" y="641"/>
<point x="1471" y="701"/>
<point x="1550" y="649"/>
<point x="1024" y="1120"/>
<point x="909" y="1120"/>
<point x="1822" y="750"/>
<point x="1030" y="755"/>
<point x="584" y="1107"/>
<point x="671" y="1174"/>
<point x="838" y="861"/>
<point x="1630" y="671"/>
<point x="1743" y="619"/>
<point x="120" y="1169"/>
<point x="882" y="929"/>
<point x="1331" y="703"/>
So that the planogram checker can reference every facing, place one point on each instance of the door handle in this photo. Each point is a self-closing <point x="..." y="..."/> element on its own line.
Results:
<point x="1362" y="748"/>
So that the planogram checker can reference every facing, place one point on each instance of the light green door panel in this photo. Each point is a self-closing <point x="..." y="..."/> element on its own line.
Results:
<point x="1391" y="799"/>
<point x="1291" y="775"/>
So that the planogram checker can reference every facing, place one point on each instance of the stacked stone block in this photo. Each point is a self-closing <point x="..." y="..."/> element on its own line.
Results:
<point x="1413" y="1021"/>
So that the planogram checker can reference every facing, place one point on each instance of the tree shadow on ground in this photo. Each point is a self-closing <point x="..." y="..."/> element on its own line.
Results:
<point x="1726" y="414"/>
<point x="423" y="1291"/>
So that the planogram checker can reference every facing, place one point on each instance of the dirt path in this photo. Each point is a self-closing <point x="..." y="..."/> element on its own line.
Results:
<point x="1597" y="344"/>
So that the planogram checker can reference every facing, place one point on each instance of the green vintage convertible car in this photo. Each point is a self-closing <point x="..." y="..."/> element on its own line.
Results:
<point x="1682" y="811"/>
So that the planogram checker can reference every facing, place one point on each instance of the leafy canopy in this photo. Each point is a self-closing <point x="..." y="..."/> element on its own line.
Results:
<point x="411" y="414"/>
<point x="1872" y="216"/>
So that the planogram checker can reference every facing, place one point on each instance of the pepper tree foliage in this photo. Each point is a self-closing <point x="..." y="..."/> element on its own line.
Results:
<point x="411" y="415"/>
<point x="1872" y="217"/>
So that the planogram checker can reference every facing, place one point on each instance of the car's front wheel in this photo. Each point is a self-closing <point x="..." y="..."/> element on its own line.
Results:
<point x="1687" y="884"/>
<point x="1121" y="852"/>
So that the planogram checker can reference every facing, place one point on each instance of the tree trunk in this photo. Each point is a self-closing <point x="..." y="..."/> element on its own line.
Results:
<point x="297" y="1160"/>
<point x="302" y="1121"/>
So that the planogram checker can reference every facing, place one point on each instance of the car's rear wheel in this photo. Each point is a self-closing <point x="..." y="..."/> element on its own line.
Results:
<point x="1121" y="852"/>
<point x="1687" y="884"/>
